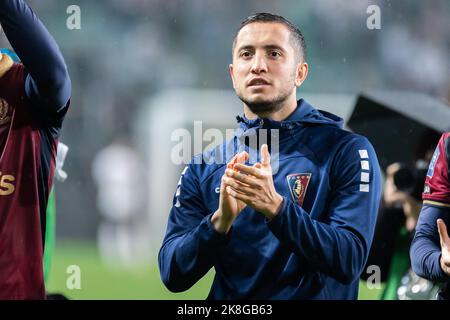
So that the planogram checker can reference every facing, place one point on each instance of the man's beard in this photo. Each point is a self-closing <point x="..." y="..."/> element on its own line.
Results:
<point x="266" y="106"/>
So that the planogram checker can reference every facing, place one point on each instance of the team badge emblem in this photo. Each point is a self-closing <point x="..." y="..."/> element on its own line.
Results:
<point x="5" y="112"/>
<point x="298" y="184"/>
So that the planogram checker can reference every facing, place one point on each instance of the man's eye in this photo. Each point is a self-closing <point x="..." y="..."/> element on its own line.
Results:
<point x="246" y="54"/>
<point x="275" y="54"/>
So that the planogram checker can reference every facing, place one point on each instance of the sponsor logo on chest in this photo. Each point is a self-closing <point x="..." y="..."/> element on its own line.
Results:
<point x="7" y="184"/>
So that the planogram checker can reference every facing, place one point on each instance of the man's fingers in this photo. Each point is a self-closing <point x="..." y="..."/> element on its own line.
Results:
<point x="232" y="191"/>
<point x="254" y="171"/>
<point x="238" y="158"/>
<point x="231" y="182"/>
<point x="237" y="195"/>
<point x="245" y="179"/>
<point x="242" y="157"/>
<point x="265" y="155"/>
<point x="443" y="235"/>
<point x="232" y="162"/>
<point x="240" y="187"/>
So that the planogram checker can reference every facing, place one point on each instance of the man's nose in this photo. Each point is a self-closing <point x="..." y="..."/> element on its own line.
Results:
<point x="259" y="64"/>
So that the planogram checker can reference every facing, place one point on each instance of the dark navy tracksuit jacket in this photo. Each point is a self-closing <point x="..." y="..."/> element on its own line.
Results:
<point x="315" y="248"/>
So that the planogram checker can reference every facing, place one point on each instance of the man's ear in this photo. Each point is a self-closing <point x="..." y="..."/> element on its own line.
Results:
<point x="301" y="74"/>
<point x="232" y="74"/>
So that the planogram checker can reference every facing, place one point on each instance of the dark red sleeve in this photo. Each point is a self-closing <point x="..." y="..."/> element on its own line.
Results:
<point x="437" y="185"/>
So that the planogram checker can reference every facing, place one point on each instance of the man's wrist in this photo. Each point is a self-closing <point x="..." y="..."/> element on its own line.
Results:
<point x="275" y="210"/>
<point x="220" y="223"/>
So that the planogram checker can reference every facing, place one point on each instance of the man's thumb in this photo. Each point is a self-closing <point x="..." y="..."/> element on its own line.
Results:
<point x="443" y="235"/>
<point x="265" y="155"/>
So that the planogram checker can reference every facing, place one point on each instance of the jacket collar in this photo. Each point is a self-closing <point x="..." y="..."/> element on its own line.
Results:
<point x="303" y="108"/>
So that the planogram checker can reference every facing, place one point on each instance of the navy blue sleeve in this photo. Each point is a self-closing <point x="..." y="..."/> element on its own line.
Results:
<point x="425" y="249"/>
<point x="48" y="84"/>
<point x="191" y="243"/>
<point x="339" y="245"/>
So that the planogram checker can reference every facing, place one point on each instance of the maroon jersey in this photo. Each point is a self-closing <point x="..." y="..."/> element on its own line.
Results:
<point x="27" y="165"/>
<point x="437" y="185"/>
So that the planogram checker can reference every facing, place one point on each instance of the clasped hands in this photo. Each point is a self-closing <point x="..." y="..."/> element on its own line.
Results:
<point x="243" y="186"/>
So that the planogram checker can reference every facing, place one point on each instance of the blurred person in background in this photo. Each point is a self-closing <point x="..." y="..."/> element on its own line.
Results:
<point x="430" y="249"/>
<point x="120" y="177"/>
<point x="397" y="218"/>
<point x="300" y="231"/>
<point x="34" y="98"/>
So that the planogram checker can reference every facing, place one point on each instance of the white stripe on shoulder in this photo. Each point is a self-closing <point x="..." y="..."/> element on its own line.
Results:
<point x="364" y="154"/>
<point x="365" y="165"/>
<point x="364" y="187"/>
<point x="365" y="177"/>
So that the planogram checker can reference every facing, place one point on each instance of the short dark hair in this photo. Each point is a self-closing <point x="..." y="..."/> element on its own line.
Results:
<point x="296" y="34"/>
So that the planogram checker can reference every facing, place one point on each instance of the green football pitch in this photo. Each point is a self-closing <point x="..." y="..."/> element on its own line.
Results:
<point x="99" y="281"/>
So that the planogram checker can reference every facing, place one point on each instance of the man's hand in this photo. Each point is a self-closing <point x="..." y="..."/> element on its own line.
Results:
<point x="445" y="246"/>
<point x="254" y="185"/>
<point x="229" y="207"/>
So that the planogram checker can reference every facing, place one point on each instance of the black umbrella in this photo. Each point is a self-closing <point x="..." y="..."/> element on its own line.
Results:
<point x="400" y="125"/>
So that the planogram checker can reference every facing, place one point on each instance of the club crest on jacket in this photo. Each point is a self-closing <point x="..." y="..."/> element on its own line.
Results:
<point x="298" y="184"/>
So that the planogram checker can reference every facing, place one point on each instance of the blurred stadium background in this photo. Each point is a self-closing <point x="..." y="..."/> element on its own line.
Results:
<point x="142" y="68"/>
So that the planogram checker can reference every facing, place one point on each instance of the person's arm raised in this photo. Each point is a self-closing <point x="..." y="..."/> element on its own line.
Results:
<point x="48" y="83"/>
